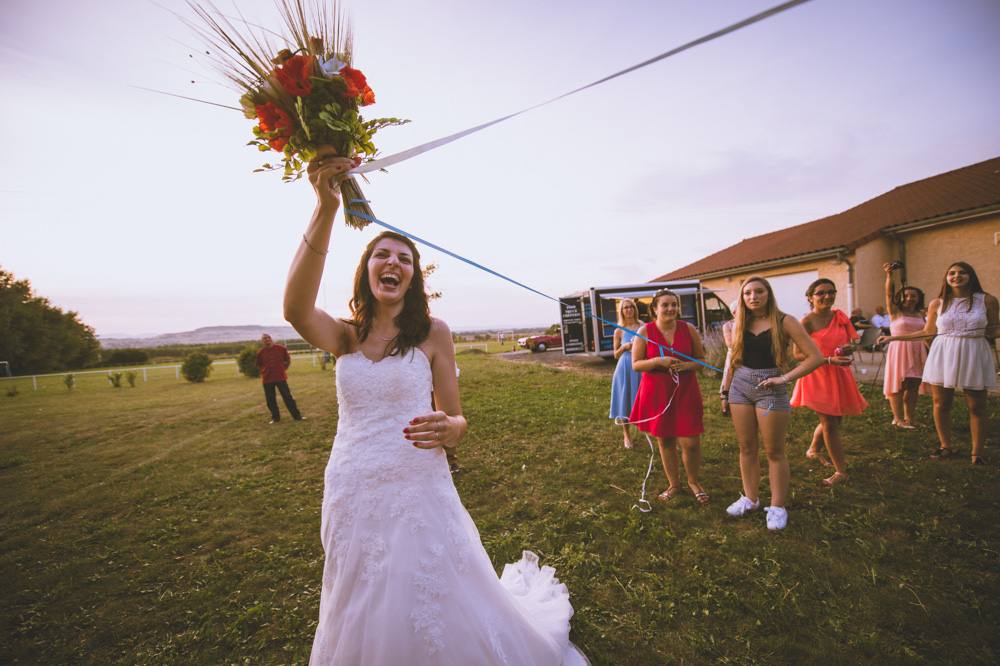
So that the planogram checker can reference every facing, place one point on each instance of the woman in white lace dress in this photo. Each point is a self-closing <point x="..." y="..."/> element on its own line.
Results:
<point x="960" y="319"/>
<point x="406" y="579"/>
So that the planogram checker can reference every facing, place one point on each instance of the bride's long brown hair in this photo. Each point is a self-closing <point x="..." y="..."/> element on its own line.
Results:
<point x="414" y="322"/>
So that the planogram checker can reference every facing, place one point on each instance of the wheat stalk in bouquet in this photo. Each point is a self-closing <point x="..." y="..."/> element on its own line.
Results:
<point x="298" y="85"/>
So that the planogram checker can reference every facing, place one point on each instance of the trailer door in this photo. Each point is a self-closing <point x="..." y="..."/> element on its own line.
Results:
<point x="573" y="325"/>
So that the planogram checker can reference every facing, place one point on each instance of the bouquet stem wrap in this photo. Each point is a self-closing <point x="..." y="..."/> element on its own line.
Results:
<point x="353" y="199"/>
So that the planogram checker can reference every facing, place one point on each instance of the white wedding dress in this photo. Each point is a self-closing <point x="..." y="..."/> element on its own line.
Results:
<point x="406" y="579"/>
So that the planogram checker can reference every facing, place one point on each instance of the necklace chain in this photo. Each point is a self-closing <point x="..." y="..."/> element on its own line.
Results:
<point x="377" y="334"/>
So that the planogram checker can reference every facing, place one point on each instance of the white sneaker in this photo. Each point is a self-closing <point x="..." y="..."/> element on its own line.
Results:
<point x="777" y="517"/>
<point x="742" y="505"/>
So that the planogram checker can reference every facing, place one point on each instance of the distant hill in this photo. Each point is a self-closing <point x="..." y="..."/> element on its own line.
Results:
<point x="206" y="335"/>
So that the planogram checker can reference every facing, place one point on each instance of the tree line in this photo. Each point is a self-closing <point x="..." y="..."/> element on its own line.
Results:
<point x="38" y="338"/>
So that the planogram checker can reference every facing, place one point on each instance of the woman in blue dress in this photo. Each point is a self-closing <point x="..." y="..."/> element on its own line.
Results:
<point x="626" y="380"/>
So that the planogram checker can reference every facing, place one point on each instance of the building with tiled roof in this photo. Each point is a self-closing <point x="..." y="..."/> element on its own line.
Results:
<point x="927" y="224"/>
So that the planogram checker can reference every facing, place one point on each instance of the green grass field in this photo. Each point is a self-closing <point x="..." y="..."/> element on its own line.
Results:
<point x="169" y="524"/>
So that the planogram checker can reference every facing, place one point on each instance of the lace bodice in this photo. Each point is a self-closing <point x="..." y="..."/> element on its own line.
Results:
<point x="376" y="400"/>
<point x="960" y="321"/>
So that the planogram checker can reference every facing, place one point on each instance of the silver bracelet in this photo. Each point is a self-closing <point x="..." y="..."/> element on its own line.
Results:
<point x="309" y="245"/>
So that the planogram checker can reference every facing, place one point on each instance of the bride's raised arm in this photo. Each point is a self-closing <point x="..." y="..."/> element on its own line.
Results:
<point x="314" y="325"/>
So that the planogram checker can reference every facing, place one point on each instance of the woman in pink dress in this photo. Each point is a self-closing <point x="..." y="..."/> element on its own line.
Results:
<point x="830" y="391"/>
<point x="668" y="404"/>
<point x="904" y="361"/>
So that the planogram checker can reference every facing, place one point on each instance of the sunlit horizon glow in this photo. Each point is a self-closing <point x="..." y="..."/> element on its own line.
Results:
<point x="140" y="211"/>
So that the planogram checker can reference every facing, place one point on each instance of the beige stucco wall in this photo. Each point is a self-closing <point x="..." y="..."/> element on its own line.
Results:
<point x="927" y="254"/>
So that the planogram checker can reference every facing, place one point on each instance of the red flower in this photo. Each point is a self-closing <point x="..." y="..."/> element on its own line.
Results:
<point x="356" y="83"/>
<point x="294" y="75"/>
<point x="367" y="96"/>
<point x="275" y="120"/>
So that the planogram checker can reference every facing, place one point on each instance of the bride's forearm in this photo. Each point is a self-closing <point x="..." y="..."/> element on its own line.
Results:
<point x="302" y="286"/>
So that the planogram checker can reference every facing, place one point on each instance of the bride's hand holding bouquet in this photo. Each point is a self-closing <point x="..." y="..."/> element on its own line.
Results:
<point x="326" y="172"/>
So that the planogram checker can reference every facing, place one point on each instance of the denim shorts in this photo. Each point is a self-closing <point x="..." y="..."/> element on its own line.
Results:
<point x="743" y="390"/>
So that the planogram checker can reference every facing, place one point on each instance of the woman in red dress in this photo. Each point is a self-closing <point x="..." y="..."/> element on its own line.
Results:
<point x="668" y="404"/>
<point x="830" y="391"/>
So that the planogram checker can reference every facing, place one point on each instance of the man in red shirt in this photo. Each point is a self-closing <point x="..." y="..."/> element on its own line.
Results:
<point x="272" y="360"/>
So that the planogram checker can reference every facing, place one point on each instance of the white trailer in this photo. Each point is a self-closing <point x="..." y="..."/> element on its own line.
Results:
<point x="583" y="331"/>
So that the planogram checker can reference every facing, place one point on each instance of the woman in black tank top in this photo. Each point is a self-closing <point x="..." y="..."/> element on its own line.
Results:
<point x="754" y="391"/>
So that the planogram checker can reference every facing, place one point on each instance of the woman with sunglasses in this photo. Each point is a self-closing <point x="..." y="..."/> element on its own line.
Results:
<point x="830" y="391"/>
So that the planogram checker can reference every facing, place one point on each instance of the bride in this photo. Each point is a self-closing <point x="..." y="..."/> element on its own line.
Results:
<point x="406" y="579"/>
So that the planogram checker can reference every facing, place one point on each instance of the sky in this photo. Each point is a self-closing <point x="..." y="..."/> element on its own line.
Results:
<point x="141" y="212"/>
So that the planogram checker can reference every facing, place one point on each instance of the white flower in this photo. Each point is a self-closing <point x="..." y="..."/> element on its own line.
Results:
<point x="248" y="106"/>
<point x="332" y="66"/>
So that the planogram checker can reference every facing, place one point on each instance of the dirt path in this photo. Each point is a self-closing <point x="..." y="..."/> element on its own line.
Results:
<point x="556" y="359"/>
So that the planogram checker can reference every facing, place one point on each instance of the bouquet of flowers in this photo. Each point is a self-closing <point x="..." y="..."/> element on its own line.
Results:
<point x="303" y="92"/>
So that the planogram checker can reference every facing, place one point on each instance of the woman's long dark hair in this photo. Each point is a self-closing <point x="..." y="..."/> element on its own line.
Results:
<point x="414" y="322"/>
<point x="812" y="288"/>
<point x="897" y="298"/>
<point x="975" y="287"/>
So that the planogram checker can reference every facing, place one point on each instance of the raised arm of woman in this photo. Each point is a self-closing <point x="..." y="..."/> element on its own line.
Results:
<point x="930" y="326"/>
<point x="446" y="425"/>
<point x="890" y="291"/>
<point x="314" y="325"/>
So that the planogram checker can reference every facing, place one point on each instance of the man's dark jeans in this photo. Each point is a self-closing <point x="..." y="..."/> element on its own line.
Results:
<point x="286" y="395"/>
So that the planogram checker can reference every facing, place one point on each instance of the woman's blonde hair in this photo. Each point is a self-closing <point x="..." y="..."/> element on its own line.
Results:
<point x="621" y="317"/>
<point x="780" y="340"/>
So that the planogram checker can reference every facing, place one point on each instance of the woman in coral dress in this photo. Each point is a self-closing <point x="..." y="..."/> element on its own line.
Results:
<point x="830" y="391"/>
<point x="961" y="318"/>
<point x="405" y="579"/>
<point x="668" y="404"/>
<point x="625" y="382"/>
<point x="904" y="360"/>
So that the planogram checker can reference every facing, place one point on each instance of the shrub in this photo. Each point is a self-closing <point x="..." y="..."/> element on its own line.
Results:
<point x="12" y="391"/>
<point x="69" y="381"/>
<point x="196" y="367"/>
<point x="128" y="357"/>
<point x="115" y="379"/>
<point x="130" y="378"/>
<point x="245" y="362"/>
<point x="715" y="352"/>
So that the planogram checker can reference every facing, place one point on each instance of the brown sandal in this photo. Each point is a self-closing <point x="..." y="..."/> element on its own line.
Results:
<point x="836" y="478"/>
